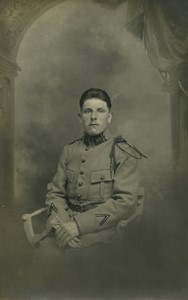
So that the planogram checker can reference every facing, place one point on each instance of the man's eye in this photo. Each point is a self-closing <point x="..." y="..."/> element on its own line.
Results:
<point x="87" y="111"/>
<point x="100" y="110"/>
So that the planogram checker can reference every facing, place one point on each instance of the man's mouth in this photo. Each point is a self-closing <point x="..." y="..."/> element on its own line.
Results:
<point x="93" y="124"/>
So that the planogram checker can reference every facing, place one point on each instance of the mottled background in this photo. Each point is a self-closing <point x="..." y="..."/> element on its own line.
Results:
<point x="68" y="49"/>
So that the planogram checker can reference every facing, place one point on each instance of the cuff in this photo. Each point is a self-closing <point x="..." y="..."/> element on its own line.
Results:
<point x="86" y="222"/>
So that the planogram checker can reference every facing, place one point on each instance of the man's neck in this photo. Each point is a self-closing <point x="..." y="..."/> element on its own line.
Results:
<point x="95" y="140"/>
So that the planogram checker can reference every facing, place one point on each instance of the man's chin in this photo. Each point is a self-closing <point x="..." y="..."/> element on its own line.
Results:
<point x="93" y="132"/>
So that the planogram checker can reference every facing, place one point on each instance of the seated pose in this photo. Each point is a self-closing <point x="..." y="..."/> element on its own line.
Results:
<point x="97" y="181"/>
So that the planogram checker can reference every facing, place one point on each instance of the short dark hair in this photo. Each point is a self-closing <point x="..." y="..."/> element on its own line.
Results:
<point x="95" y="93"/>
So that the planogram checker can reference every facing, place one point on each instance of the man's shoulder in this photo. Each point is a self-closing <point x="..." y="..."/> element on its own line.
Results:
<point x="120" y="147"/>
<point x="71" y="145"/>
<point x="125" y="147"/>
<point x="119" y="140"/>
<point x="76" y="141"/>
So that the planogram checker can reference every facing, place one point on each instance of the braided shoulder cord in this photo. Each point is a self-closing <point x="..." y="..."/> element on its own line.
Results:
<point x="134" y="148"/>
<point x="118" y="140"/>
<point x="112" y="159"/>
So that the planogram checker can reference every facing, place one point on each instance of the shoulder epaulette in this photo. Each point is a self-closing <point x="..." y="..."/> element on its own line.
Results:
<point x="75" y="141"/>
<point x="119" y="139"/>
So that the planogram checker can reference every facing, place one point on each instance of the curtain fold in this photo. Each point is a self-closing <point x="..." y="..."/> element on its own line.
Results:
<point x="164" y="34"/>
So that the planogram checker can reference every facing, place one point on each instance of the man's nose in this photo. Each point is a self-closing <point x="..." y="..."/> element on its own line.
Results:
<point x="93" y="116"/>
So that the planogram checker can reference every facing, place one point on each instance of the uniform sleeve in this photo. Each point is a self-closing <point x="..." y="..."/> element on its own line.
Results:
<point x="122" y="203"/>
<point x="57" y="188"/>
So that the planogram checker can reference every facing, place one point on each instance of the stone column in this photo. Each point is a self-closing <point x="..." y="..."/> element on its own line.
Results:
<point x="8" y="72"/>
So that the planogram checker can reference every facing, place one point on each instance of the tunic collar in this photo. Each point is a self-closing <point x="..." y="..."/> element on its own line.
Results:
<point x="96" y="140"/>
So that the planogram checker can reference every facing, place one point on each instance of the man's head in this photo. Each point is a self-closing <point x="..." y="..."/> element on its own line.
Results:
<point x="95" y="115"/>
<point x="97" y="94"/>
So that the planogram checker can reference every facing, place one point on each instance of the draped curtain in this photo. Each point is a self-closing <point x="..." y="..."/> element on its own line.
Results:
<point x="163" y="26"/>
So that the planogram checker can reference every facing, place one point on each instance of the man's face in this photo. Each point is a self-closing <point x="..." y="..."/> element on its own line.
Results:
<point x="95" y="116"/>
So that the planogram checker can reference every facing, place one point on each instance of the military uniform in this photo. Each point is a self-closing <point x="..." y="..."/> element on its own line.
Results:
<point x="96" y="185"/>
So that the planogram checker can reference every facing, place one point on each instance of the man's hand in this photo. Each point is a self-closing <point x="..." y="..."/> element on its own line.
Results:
<point x="75" y="243"/>
<point x="67" y="233"/>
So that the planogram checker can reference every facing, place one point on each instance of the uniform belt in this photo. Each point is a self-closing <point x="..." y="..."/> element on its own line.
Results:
<point x="79" y="207"/>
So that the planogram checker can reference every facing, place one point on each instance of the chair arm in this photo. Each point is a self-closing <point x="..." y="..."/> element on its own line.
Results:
<point x="28" y="226"/>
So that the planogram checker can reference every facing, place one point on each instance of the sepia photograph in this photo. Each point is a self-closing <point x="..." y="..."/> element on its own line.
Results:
<point x="93" y="149"/>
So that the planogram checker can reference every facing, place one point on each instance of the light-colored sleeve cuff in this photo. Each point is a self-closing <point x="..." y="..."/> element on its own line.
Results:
<point x="86" y="222"/>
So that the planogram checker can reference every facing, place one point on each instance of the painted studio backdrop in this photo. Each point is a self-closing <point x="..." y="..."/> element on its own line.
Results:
<point x="66" y="51"/>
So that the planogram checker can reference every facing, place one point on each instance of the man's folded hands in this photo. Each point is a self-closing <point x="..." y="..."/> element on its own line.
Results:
<point x="67" y="233"/>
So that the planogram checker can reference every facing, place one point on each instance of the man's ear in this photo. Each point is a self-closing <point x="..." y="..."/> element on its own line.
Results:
<point x="80" y="117"/>
<point x="109" y="117"/>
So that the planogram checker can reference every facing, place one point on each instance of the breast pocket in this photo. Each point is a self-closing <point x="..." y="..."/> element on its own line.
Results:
<point x="101" y="186"/>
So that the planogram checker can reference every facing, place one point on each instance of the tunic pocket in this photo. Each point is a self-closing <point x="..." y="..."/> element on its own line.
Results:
<point x="101" y="184"/>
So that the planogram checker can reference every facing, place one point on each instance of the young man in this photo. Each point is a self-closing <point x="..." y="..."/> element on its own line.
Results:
<point x="97" y="181"/>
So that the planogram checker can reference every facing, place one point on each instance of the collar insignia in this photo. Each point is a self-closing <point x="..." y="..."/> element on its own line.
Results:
<point x="94" y="140"/>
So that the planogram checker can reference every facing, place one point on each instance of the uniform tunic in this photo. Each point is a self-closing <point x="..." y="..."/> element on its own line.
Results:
<point x="89" y="177"/>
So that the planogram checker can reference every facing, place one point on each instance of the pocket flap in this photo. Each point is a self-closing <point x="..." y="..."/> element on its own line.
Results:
<point x="101" y="175"/>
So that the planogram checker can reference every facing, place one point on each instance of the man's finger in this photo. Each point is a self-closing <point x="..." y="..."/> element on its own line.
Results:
<point x="73" y="244"/>
<point x="63" y="238"/>
<point x="78" y="242"/>
<point x="66" y="240"/>
<point x="59" y="235"/>
<point x="65" y="235"/>
<point x="60" y="228"/>
<point x="76" y="239"/>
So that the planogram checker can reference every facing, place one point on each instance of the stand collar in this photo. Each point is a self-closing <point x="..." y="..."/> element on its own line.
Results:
<point x="95" y="140"/>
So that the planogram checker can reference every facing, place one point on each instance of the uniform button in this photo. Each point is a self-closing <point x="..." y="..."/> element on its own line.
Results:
<point x="102" y="177"/>
<point x="87" y="148"/>
<point x="80" y="183"/>
<point x="81" y="172"/>
<point x="83" y="160"/>
<point x="79" y="196"/>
